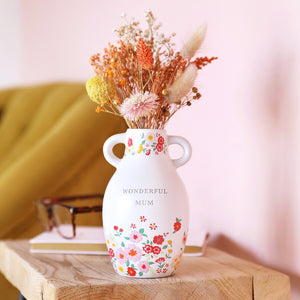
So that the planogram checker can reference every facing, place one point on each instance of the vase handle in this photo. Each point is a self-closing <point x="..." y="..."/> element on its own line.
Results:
<point x="108" y="148"/>
<point x="187" y="149"/>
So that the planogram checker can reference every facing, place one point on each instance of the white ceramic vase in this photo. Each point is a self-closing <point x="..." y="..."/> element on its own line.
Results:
<point x="145" y="207"/>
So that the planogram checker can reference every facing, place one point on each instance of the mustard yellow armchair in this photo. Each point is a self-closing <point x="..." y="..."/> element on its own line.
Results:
<point x="50" y="144"/>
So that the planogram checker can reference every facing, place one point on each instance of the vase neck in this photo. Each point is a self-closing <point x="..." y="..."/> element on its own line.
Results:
<point x="146" y="142"/>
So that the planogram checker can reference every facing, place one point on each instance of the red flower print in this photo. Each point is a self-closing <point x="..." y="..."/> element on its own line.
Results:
<point x="111" y="252"/>
<point x="129" y="142"/>
<point x="144" y="266"/>
<point x="135" y="236"/>
<point x="159" y="147"/>
<point x="160" y="260"/>
<point x="116" y="227"/>
<point x="164" y="270"/>
<point x="158" y="239"/>
<point x="177" y="226"/>
<point x="156" y="250"/>
<point x="160" y="140"/>
<point x="153" y="226"/>
<point x="147" y="248"/>
<point x="131" y="271"/>
<point x="121" y="230"/>
<point x="184" y="239"/>
<point x="148" y="152"/>
<point x="158" y="271"/>
<point x="143" y="219"/>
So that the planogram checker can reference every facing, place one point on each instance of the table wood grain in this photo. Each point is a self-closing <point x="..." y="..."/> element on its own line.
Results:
<point x="217" y="275"/>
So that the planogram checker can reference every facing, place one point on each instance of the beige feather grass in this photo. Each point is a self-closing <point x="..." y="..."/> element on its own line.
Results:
<point x="182" y="85"/>
<point x="190" y="48"/>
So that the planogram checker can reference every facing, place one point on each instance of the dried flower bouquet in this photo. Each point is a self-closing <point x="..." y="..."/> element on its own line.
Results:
<point x="144" y="79"/>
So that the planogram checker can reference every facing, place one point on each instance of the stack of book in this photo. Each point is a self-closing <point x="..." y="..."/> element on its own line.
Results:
<point x="90" y="240"/>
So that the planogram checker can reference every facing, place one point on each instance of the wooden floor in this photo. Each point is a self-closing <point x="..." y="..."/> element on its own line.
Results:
<point x="217" y="275"/>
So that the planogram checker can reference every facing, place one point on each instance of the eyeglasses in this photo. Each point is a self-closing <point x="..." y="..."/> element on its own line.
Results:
<point x="54" y="212"/>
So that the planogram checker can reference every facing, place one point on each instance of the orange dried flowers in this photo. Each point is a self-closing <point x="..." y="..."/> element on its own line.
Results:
<point x="143" y="78"/>
<point x="144" y="55"/>
<point x="203" y="61"/>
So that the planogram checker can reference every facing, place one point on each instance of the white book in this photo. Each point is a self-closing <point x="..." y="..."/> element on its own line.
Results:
<point x="90" y="240"/>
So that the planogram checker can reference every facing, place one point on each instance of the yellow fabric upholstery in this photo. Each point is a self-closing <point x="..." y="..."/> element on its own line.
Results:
<point x="50" y="145"/>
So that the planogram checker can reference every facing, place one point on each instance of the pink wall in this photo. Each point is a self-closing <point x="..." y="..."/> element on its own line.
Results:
<point x="243" y="177"/>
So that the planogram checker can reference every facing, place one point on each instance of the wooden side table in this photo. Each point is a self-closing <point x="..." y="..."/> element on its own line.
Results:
<point x="217" y="275"/>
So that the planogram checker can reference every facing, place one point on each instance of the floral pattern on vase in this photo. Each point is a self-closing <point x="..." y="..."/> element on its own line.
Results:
<point x="144" y="251"/>
<point x="145" y="206"/>
<point x="148" y="144"/>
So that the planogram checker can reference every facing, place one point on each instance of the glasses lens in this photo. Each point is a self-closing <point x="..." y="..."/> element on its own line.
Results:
<point x="42" y="215"/>
<point x="63" y="220"/>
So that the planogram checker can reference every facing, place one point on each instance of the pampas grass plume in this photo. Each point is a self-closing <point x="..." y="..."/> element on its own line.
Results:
<point x="182" y="85"/>
<point x="190" y="48"/>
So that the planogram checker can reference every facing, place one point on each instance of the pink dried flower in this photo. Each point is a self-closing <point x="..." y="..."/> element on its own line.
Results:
<point x="139" y="106"/>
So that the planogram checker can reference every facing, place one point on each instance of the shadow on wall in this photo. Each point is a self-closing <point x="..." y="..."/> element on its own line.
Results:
<point x="274" y="123"/>
<point x="226" y="244"/>
<point x="277" y="124"/>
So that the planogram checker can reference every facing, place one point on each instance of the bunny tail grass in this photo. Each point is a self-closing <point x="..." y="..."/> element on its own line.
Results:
<point x="182" y="85"/>
<point x="190" y="48"/>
